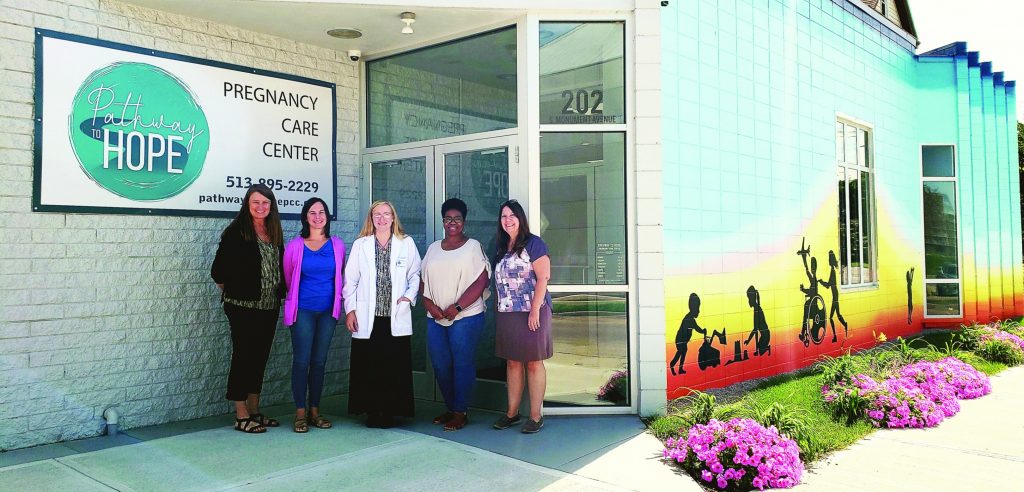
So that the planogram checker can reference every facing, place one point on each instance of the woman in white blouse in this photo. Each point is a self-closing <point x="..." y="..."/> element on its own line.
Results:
<point x="453" y="286"/>
<point x="381" y="279"/>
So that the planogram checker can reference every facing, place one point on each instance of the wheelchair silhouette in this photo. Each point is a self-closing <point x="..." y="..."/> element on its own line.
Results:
<point x="814" y="319"/>
<point x="813" y="322"/>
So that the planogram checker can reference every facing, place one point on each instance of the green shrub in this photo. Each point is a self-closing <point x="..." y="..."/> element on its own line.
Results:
<point x="836" y="369"/>
<point x="1001" y="351"/>
<point x="789" y="422"/>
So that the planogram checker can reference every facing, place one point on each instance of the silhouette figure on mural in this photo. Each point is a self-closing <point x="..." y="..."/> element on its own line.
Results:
<point x="910" y="295"/>
<point x="833" y="263"/>
<point x="759" y="333"/>
<point x="685" y="332"/>
<point x="709" y="356"/>
<point x="813" y="322"/>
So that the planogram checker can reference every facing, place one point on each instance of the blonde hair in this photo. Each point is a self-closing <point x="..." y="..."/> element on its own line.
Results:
<point x="396" y="225"/>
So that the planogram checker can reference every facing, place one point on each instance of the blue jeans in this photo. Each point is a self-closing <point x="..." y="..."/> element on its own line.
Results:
<point x="453" y="355"/>
<point x="311" y="337"/>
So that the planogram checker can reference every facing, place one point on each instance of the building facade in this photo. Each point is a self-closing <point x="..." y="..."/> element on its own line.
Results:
<point x="730" y="190"/>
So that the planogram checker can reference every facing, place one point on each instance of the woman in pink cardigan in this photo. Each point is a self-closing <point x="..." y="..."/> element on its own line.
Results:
<point x="313" y="264"/>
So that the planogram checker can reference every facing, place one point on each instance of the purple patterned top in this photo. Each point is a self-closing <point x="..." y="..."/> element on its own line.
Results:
<point x="515" y="279"/>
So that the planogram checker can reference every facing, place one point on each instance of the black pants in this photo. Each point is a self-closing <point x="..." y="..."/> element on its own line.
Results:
<point x="380" y="379"/>
<point x="252" y="335"/>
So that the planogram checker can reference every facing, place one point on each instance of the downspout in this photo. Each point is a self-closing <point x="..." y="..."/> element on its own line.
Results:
<point x="111" y="415"/>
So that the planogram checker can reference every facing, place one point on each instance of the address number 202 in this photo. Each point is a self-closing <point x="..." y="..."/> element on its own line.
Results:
<point x="578" y="102"/>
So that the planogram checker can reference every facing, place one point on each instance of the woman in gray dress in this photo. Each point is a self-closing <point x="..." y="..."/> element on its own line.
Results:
<point x="523" y="335"/>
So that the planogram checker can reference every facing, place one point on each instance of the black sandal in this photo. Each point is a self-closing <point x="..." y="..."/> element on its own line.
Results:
<point x="249" y="426"/>
<point x="264" y="420"/>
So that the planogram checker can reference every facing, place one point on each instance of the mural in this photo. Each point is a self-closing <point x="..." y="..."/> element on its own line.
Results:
<point x="910" y="295"/>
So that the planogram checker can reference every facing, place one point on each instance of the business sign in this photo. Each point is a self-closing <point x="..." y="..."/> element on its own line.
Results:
<point x="130" y="130"/>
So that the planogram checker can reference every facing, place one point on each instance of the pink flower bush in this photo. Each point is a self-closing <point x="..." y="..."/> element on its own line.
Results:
<point x="967" y="382"/>
<point x="738" y="454"/>
<point x="922" y="395"/>
<point x="990" y="333"/>
<point x="616" y="388"/>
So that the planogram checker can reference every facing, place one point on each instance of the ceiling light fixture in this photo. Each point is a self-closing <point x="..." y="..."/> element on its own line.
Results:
<point x="345" y="33"/>
<point x="408" y="18"/>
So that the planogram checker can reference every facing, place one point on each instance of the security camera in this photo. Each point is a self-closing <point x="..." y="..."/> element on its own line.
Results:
<point x="354" y="55"/>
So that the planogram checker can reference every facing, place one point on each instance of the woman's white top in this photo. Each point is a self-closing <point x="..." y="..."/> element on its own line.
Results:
<point x="447" y="275"/>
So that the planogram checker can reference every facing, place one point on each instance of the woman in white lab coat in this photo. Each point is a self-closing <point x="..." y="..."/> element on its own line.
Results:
<point x="382" y="277"/>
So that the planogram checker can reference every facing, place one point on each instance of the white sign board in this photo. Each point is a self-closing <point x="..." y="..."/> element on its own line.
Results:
<point x="124" y="129"/>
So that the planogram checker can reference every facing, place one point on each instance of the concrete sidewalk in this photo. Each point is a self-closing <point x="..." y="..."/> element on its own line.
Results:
<point x="980" y="448"/>
<point x="570" y="453"/>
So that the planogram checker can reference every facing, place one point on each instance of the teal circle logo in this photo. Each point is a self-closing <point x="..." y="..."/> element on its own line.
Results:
<point x="138" y="131"/>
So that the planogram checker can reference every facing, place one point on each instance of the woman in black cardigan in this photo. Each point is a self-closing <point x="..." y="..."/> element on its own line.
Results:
<point x="248" y="269"/>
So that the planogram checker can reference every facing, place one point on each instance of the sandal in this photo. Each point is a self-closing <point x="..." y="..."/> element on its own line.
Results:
<point x="249" y="426"/>
<point x="300" y="426"/>
<point x="264" y="420"/>
<point x="443" y="418"/>
<point x="458" y="421"/>
<point x="319" y="422"/>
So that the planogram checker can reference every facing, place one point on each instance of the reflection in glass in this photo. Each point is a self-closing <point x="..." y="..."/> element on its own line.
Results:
<point x="591" y="350"/>
<point x="937" y="161"/>
<point x="844" y="260"/>
<point x="480" y="178"/>
<point x="940" y="243"/>
<point x="403" y="182"/>
<point x="942" y="299"/>
<point x="583" y="206"/>
<point x="457" y="88"/>
<point x="582" y="72"/>
<point x="853" y="209"/>
<point x="867" y="257"/>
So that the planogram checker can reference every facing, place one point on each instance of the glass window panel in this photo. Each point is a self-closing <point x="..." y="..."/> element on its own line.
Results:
<point x="583" y="206"/>
<point x="853" y="209"/>
<point x="840" y="146"/>
<point x="480" y="178"/>
<point x="937" y="161"/>
<point x="850" y="139"/>
<point x="940" y="237"/>
<point x="582" y="73"/>
<point x="862" y="148"/>
<point x="457" y="88"/>
<point x="591" y="359"/>
<point x="867" y="257"/>
<point x="942" y="299"/>
<point x="844" y="234"/>
<point x="403" y="182"/>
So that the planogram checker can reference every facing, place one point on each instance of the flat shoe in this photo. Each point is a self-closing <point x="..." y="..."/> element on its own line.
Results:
<point x="264" y="420"/>
<point x="458" y="421"/>
<point x="319" y="422"/>
<point x="300" y="426"/>
<point x="443" y="418"/>
<point x="504" y="422"/>
<point x="531" y="426"/>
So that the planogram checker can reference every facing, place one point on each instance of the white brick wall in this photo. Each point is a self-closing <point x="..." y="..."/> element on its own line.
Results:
<point x="101" y="310"/>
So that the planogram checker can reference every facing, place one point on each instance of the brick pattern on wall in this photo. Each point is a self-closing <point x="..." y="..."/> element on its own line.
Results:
<point x="103" y="310"/>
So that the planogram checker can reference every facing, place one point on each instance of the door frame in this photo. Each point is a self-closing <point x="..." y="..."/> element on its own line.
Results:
<point x="488" y="393"/>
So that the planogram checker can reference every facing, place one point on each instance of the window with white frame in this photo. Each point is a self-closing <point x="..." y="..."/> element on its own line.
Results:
<point x="855" y="177"/>
<point x="941" y="239"/>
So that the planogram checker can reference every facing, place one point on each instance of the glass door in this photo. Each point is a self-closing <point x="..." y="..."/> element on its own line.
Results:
<point x="417" y="181"/>
<point x="477" y="173"/>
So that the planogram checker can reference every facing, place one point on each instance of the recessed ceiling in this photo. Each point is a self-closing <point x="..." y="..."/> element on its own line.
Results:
<point x="309" y="22"/>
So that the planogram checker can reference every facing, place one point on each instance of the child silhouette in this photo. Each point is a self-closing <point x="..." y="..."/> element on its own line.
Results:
<point x="685" y="332"/>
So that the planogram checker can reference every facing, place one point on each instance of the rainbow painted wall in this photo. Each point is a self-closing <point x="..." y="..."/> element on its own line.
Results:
<point x="752" y="90"/>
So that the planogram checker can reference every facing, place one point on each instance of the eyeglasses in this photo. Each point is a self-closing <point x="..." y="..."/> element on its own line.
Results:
<point x="452" y="220"/>
<point x="383" y="215"/>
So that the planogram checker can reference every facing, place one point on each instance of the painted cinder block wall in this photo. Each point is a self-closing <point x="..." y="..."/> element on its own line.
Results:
<point x="101" y="310"/>
<point x="752" y="91"/>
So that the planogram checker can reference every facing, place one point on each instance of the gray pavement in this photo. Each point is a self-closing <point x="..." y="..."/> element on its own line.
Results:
<point x="980" y="448"/>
